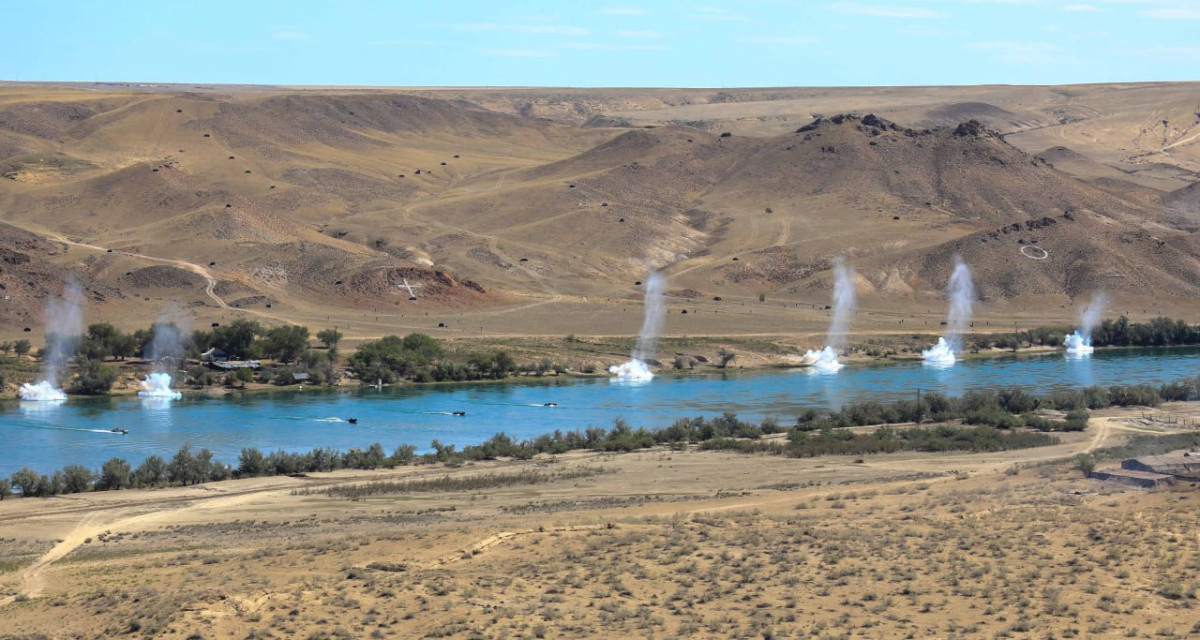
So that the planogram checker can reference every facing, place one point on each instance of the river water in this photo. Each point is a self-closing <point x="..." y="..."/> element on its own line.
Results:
<point x="46" y="437"/>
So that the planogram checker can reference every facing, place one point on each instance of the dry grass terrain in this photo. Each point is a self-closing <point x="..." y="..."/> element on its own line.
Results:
<point x="533" y="212"/>
<point x="654" y="544"/>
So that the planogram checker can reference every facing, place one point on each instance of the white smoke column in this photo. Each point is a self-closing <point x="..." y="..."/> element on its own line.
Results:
<point x="652" y="325"/>
<point x="64" y="329"/>
<point x="167" y="344"/>
<point x="655" y="318"/>
<point x="961" y="292"/>
<point x="844" y="298"/>
<point x="1080" y="342"/>
<point x="165" y="350"/>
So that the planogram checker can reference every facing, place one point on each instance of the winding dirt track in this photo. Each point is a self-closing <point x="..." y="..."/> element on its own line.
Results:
<point x="33" y="578"/>
<point x="210" y="287"/>
<point x="93" y="522"/>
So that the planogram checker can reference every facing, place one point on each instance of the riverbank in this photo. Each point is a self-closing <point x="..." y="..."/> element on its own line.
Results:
<point x="508" y="547"/>
<point x="703" y="358"/>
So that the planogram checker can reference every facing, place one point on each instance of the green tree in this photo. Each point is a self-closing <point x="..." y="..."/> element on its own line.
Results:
<point x="220" y="471"/>
<point x="76" y="479"/>
<point x="393" y="356"/>
<point x="329" y="337"/>
<point x="443" y="452"/>
<point x="203" y="466"/>
<point x="141" y="340"/>
<point x="286" y="343"/>
<point x="495" y="365"/>
<point x="251" y="463"/>
<point x="114" y="475"/>
<point x="237" y="338"/>
<point x="102" y="341"/>
<point x="5" y="488"/>
<point x="125" y="346"/>
<point x="51" y="485"/>
<point x="25" y="480"/>
<point x="22" y="347"/>
<point x="93" y="379"/>
<point x="199" y="342"/>
<point x="182" y="467"/>
<point x="151" y="473"/>
<point x="321" y="366"/>
<point x="423" y="347"/>
<point x="404" y="454"/>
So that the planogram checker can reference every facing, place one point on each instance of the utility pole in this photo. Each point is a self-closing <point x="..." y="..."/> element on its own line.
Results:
<point x="919" y="406"/>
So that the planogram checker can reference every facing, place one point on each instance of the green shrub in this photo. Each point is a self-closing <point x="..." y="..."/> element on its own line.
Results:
<point x="94" y="378"/>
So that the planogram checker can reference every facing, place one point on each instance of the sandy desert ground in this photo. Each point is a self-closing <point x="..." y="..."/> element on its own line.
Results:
<point x="523" y="212"/>
<point x="661" y="543"/>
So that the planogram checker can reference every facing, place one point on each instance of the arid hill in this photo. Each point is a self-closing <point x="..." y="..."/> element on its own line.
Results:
<point x="319" y="205"/>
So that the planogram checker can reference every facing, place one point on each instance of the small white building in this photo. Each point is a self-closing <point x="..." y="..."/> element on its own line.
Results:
<point x="214" y="355"/>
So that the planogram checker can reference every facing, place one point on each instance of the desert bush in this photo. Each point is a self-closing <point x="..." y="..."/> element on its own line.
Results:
<point x="1134" y="395"/>
<point x="1085" y="463"/>
<point x="1014" y="400"/>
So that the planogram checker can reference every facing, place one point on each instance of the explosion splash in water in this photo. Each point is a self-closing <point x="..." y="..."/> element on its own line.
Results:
<point x="43" y="391"/>
<point x="844" y="299"/>
<point x="158" y="385"/>
<point x="636" y="369"/>
<point x="64" y="328"/>
<point x="164" y="350"/>
<point x="961" y="292"/>
<point x="1079" y="343"/>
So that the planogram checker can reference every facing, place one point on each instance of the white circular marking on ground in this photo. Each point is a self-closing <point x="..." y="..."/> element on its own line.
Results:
<point x="1035" y="252"/>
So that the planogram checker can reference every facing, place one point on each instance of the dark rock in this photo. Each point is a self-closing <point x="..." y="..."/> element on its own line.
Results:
<point x="972" y="128"/>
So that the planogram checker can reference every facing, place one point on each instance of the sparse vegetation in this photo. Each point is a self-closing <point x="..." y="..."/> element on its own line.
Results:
<point x="454" y="483"/>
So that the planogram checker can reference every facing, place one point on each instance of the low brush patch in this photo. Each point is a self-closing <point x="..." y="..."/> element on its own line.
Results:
<point x="453" y="483"/>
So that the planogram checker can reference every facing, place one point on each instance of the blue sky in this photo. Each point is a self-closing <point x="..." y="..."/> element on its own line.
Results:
<point x="620" y="43"/>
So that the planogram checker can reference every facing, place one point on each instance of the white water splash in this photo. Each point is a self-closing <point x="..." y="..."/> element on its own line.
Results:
<point x="823" y="361"/>
<point x="1078" y="345"/>
<point x="43" y="391"/>
<point x="636" y="369"/>
<point x="961" y="292"/>
<point x="940" y="354"/>
<point x="158" y="385"/>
